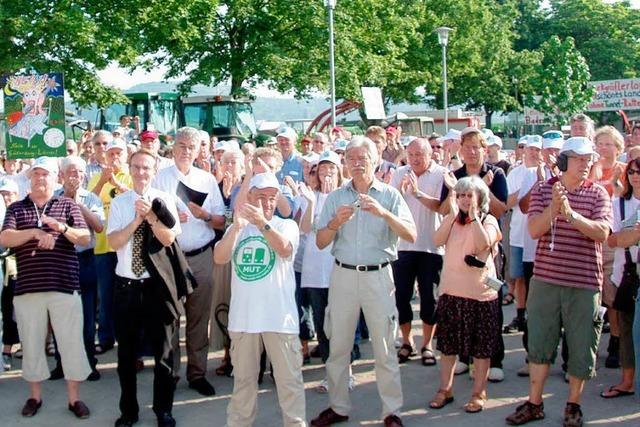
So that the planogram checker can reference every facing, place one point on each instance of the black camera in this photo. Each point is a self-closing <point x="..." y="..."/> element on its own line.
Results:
<point x="472" y="261"/>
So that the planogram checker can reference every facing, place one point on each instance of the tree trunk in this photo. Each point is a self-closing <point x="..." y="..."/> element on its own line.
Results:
<point x="488" y="119"/>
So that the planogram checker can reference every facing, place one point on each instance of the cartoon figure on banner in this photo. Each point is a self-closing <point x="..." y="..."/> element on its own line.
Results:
<point x="34" y="117"/>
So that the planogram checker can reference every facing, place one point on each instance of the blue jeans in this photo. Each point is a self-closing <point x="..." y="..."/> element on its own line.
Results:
<point x="105" y="265"/>
<point x="636" y="343"/>
<point x="304" y="310"/>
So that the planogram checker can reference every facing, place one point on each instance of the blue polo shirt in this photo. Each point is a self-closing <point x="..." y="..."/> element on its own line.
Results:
<point x="292" y="167"/>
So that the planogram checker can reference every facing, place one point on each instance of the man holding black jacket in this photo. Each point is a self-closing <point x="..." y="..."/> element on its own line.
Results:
<point x="139" y="301"/>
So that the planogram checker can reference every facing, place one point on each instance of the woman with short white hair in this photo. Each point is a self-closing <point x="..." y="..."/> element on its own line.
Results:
<point x="468" y="305"/>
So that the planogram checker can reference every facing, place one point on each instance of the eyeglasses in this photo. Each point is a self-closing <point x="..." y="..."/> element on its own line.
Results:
<point x="436" y="147"/>
<point x="631" y="172"/>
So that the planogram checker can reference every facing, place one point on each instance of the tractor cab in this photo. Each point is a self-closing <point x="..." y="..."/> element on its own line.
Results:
<point x="225" y="117"/>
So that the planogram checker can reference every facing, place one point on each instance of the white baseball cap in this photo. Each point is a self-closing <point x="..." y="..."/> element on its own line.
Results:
<point x="340" y="145"/>
<point x="494" y="140"/>
<point x="47" y="163"/>
<point x="117" y="143"/>
<point x="204" y="135"/>
<point x="552" y="139"/>
<point x="7" y="184"/>
<point x="311" y="157"/>
<point x="534" y="141"/>
<point x="453" y="134"/>
<point x="578" y="145"/>
<point x="406" y="140"/>
<point x="331" y="157"/>
<point x="470" y="129"/>
<point x="523" y="140"/>
<point x="270" y="141"/>
<point x="487" y="132"/>
<point x="264" y="180"/>
<point x="289" y="133"/>
<point x="221" y="145"/>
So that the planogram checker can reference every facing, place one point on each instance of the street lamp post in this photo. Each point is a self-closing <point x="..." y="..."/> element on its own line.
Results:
<point x="515" y="82"/>
<point x="331" y="5"/>
<point x="443" y="39"/>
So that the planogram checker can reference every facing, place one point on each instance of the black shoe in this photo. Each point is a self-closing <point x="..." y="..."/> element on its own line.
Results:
<point x="613" y="359"/>
<point x="94" y="375"/>
<point x="165" y="420"/>
<point x="202" y="386"/>
<point x="125" y="421"/>
<point x="516" y="325"/>
<point x="31" y="407"/>
<point x="56" y="374"/>
<point x="80" y="410"/>
<point x="355" y="353"/>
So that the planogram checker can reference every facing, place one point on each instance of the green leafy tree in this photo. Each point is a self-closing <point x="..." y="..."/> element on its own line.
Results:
<point x="77" y="37"/>
<point x="560" y="80"/>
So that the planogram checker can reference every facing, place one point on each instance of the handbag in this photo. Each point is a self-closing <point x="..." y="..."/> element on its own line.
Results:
<point x="627" y="293"/>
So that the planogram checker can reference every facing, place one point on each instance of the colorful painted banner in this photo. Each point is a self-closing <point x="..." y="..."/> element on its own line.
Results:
<point x="613" y="95"/>
<point x="34" y="112"/>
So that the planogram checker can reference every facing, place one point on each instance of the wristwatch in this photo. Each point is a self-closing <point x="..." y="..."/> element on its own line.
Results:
<point x="208" y="218"/>
<point x="266" y="227"/>
<point x="418" y="195"/>
<point x="574" y="215"/>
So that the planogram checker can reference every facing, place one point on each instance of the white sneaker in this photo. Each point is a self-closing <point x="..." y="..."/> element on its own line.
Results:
<point x="323" y="387"/>
<point x="352" y="382"/>
<point x="6" y="362"/>
<point x="496" y="375"/>
<point x="524" y="371"/>
<point x="460" y="368"/>
<point x="398" y="342"/>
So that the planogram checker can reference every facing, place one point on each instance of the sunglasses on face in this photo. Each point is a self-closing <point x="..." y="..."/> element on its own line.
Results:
<point x="631" y="172"/>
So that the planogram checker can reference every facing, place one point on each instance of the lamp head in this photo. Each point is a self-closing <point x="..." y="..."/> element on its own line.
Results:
<point x="330" y="3"/>
<point x="443" y="34"/>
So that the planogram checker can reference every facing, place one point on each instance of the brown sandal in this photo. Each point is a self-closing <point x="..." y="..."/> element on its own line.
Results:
<point x="476" y="403"/>
<point x="441" y="399"/>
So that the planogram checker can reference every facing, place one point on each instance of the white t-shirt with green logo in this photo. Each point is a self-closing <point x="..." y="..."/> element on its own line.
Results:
<point x="262" y="283"/>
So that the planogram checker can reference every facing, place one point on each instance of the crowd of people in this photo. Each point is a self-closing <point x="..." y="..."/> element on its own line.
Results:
<point x="261" y="248"/>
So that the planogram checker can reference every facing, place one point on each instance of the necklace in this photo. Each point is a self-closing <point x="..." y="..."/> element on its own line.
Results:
<point x="553" y="234"/>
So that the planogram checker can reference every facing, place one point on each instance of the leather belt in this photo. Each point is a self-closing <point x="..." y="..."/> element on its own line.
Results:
<point x="199" y="250"/>
<point x="361" y="267"/>
<point x="131" y="282"/>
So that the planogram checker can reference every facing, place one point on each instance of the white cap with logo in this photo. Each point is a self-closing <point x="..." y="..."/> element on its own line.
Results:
<point x="552" y="139"/>
<point x="578" y="145"/>
<point x="117" y="143"/>
<point x="264" y="180"/>
<point x="289" y="133"/>
<point x="7" y="184"/>
<point x="494" y="140"/>
<point x="47" y="163"/>
<point x="331" y="157"/>
<point x="534" y="141"/>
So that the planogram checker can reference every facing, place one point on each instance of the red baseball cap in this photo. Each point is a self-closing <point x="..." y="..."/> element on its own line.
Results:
<point x="148" y="134"/>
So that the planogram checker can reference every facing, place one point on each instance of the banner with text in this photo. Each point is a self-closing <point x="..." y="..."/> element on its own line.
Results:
<point x="34" y="110"/>
<point x="613" y="95"/>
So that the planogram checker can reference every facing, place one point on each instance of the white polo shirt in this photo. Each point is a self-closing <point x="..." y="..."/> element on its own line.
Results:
<point x="122" y="213"/>
<point x="426" y="220"/>
<point x="515" y="180"/>
<point x="263" y="284"/>
<point x="195" y="232"/>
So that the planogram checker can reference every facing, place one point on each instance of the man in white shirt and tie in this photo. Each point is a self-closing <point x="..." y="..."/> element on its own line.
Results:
<point x="200" y="209"/>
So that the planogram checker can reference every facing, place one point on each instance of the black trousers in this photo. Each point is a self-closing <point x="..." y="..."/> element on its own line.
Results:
<point x="137" y="308"/>
<point x="9" y="325"/>
<point x="424" y="267"/>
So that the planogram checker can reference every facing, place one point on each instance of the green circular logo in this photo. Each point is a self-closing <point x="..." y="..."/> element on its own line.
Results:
<point x="253" y="259"/>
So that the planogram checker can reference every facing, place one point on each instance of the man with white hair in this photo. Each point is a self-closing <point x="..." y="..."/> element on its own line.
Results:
<point x="319" y="143"/>
<point x="582" y="125"/>
<point x="569" y="215"/>
<point x="263" y="311"/>
<point x="200" y="210"/>
<point x="364" y="220"/>
<point x="43" y="229"/>
<point x="292" y="161"/>
<point x="421" y="183"/>
<point x="72" y="172"/>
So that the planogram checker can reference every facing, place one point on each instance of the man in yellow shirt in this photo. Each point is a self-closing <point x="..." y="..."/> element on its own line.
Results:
<point x="113" y="180"/>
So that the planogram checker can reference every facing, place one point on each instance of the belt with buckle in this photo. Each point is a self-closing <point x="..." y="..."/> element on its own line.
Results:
<point x="361" y="267"/>
<point x="199" y="250"/>
<point x="131" y="282"/>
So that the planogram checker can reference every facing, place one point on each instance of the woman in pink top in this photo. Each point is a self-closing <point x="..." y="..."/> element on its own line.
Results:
<point x="468" y="308"/>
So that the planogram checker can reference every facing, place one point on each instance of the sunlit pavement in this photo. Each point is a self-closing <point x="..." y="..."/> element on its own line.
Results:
<point x="419" y="385"/>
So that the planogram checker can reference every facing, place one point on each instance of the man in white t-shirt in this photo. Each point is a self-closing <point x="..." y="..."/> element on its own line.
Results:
<point x="420" y="183"/>
<point x="261" y="248"/>
<point x="528" y="168"/>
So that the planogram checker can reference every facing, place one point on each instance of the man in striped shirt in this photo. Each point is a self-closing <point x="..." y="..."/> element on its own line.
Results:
<point x="571" y="217"/>
<point x="43" y="229"/>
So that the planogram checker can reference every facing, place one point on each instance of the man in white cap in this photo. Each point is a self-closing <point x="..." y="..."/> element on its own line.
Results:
<point x="567" y="214"/>
<point x="43" y="229"/>
<point x="494" y="146"/>
<point x="527" y="170"/>
<point x="263" y="311"/>
<point x="292" y="162"/>
<point x="204" y="160"/>
<point x="107" y="184"/>
<point x="451" y="146"/>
